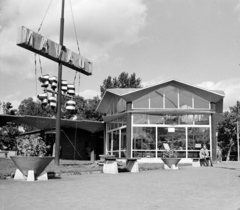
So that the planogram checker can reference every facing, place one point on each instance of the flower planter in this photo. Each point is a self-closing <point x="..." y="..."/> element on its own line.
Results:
<point x="36" y="164"/>
<point x="171" y="161"/>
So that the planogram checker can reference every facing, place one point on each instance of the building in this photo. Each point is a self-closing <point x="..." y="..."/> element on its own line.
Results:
<point x="80" y="139"/>
<point x="139" y="120"/>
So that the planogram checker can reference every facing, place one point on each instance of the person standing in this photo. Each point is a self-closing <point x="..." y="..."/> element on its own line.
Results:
<point x="219" y="154"/>
<point x="204" y="154"/>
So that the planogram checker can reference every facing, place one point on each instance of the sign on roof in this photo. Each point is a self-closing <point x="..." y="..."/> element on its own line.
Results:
<point x="38" y="44"/>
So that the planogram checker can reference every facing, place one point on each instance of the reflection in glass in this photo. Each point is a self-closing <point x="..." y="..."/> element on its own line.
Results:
<point x="171" y="97"/>
<point x="123" y="139"/>
<point x="116" y="140"/>
<point x="142" y="102"/>
<point x="176" y="140"/>
<point x="197" y="137"/>
<point x="185" y="99"/>
<point x="186" y="119"/>
<point x="156" y="99"/>
<point x="156" y="119"/>
<point x="171" y="119"/>
<point x="144" y="138"/>
<point x="200" y="103"/>
<point x="140" y="119"/>
<point x="202" y="119"/>
<point x="109" y="141"/>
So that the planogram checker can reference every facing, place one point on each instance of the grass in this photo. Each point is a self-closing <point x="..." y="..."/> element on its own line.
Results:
<point x="73" y="167"/>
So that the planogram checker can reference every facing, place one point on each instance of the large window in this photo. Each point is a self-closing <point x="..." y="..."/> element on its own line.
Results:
<point x="196" y="138"/>
<point x="170" y="97"/>
<point x="117" y="143"/>
<point x="175" y="138"/>
<point x="117" y="105"/>
<point x="185" y="99"/>
<point x="184" y="133"/>
<point x="156" y="99"/>
<point x="144" y="138"/>
<point x="142" y="102"/>
<point x="171" y="119"/>
<point x="200" y="103"/>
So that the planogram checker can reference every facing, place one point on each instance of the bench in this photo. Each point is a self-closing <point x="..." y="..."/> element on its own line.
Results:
<point x="197" y="162"/>
<point x="110" y="166"/>
<point x="3" y="154"/>
<point x="132" y="165"/>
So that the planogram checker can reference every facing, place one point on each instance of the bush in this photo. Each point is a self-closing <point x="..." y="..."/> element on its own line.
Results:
<point x="8" y="136"/>
<point x="171" y="153"/>
<point x="31" y="145"/>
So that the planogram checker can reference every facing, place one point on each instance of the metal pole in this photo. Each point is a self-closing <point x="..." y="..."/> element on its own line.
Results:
<point x="58" y="119"/>
<point x="238" y="141"/>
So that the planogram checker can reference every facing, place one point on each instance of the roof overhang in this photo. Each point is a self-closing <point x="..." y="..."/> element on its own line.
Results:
<point x="46" y="123"/>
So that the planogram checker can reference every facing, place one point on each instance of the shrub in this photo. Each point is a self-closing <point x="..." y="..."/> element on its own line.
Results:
<point x="31" y="145"/>
<point x="171" y="153"/>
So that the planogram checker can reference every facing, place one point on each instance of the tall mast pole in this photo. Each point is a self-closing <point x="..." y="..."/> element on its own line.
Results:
<point x="58" y="119"/>
<point x="238" y="155"/>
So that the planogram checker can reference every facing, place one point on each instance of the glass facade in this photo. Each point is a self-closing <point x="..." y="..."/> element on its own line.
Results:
<point x="170" y="97"/>
<point x="184" y="133"/>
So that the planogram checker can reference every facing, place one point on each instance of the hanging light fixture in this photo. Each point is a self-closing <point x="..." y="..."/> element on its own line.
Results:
<point x="42" y="96"/>
<point x="53" y="101"/>
<point x="53" y="81"/>
<point x="71" y="89"/>
<point x="64" y="86"/>
<point x="45" y="80"/>
<point x="70" y="105"/>
<point x="44" y="102"/>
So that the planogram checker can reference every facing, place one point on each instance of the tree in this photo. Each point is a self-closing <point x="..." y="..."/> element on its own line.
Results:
<point x="33" y="108"/>
<point x="123" y="81"/>
<point x="227" y="132"/>
<point x="90" y="109"/>
<point x="8" y="136"/>
<point x="85" y="109"/>
<point x="7" y="108"/>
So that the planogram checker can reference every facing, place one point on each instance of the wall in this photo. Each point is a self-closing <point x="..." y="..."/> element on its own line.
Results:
<point x="80" y="139"/>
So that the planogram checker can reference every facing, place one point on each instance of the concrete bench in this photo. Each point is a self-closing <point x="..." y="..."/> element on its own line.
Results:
<point x="110" y="166"/>
<point x="3" y="154"/>
<point x="197" y="162"/>
<point x="132" y="165"/>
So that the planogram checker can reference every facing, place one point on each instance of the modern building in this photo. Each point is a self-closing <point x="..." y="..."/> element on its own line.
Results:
<point x="139" y="120"/>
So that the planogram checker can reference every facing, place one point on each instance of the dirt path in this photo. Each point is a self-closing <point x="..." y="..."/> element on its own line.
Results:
<point x="188" y="188"/>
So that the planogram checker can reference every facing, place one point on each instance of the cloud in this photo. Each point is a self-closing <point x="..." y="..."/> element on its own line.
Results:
<point x="155" y="81"/>
<point x="231" y="87"/>
<point x="100" y="24"/>
<point x="12" y="98"/>
<point x="88" y="94"/>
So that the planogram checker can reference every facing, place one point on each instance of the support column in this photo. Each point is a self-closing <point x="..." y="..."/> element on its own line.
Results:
<point x="129" y="131"/>
<point x="105" y="139"/>
<point x="213" y="130"/>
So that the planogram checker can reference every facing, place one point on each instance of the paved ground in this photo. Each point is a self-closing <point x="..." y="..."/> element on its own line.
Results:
<point x="188" y="188"/>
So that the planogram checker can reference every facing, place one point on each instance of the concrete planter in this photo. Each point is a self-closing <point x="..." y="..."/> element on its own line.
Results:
<point x="171" y="162"/>
<point x="36" y="164"/>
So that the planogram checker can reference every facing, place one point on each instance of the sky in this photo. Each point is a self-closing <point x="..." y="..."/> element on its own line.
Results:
<point x="197" y="42"/>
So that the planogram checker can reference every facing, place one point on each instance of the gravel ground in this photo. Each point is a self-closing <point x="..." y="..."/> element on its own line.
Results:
<point x="205" y="188"/>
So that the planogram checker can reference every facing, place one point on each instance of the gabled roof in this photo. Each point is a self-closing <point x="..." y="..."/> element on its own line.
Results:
<point x="122" y="91"/>
<point x="132" y="94"/>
